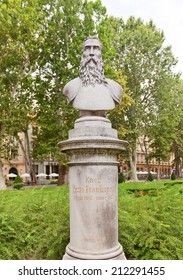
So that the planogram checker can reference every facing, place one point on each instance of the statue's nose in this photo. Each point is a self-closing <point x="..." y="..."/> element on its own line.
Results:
<point x="91" y="52"/>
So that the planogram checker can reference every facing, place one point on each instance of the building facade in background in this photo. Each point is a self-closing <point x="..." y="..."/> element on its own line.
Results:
<point x="165" y="168"/>
<point x="17" y="164"/>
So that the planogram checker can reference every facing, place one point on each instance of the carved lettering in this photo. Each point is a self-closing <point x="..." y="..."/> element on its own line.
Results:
<point x="92" y="189"/>
<point x="86" y="197"/>
<point x="90" y="180"/>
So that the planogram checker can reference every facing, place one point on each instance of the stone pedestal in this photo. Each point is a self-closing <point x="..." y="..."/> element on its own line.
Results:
<point x="93" y="148"/>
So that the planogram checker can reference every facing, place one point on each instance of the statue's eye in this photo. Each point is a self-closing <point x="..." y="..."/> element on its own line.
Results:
<point x="87" y="48"/>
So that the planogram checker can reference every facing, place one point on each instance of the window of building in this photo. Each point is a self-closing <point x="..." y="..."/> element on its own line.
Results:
<point x="14" y="153"/>
<point x="35" y="168"/>
<point x="54" y="169"/>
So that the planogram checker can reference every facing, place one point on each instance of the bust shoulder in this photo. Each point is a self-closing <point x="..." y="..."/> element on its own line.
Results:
<point x="116" y="90"/>
<point x="70" y="90"/>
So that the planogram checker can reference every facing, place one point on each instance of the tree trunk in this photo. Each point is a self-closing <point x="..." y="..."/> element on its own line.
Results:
<point x="158" y="175"/>
<point x="62" y="179"/>
<point x="147" y="165"/>
<point x="144" y="149"/>
<point x="2" y="182"/>
<point x="146" y="156"/>
<point x="133" y="162"/>
<point x="178" y="168"/>
<point x="28" y="152"/>
<point x="177" y="159"/>
<point x="27" y="155"/>
<point x="181" y="169"/>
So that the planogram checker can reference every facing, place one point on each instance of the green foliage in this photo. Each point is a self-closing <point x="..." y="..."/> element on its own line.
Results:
<point x="18" y="179"/>
<point x="177" y="145"/>
<point x="146" y="228"/>
<point x="40" y="46"/>
<point x="54" y="181"/>
<point x="173" y="183"/>
<point x="147" y="66"/>
<point x="41" y="217"/>
<point x="150" y="177"/>
<point x="18" y="186"/>
<point x="121" y="178"/>
<point x="173" y="176"/>
<point x="18" y="183"/>
<point x="34" y="224"/>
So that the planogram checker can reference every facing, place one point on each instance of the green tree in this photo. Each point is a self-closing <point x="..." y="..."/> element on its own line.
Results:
<point x="177" y="145"/>
<point x="41" y="45"/>
<point x="166" y="118"/>
<point x="65" y="32"/>
<point x="148" y="68"/>
<point x="20" y="46"/>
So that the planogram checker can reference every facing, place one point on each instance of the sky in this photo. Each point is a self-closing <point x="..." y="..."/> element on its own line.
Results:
<point x="167" y="15"/>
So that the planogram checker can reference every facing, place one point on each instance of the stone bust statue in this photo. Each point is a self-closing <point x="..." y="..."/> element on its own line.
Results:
<point x="92" y="93"/>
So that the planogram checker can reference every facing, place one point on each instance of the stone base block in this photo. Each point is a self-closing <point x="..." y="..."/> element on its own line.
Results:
<point x="115" y="254"/>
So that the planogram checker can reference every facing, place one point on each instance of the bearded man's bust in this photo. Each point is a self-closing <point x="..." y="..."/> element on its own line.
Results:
<point x="92" y="92"/>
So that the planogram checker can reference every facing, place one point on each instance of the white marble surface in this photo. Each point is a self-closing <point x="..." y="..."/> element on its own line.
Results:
<point x="93" y="183"/>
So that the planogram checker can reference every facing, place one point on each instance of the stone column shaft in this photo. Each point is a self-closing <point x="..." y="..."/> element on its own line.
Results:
<point x="93" y="183"/>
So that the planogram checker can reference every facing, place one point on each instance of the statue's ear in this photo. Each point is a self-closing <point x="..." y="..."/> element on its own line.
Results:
<point x="71" y="89"/>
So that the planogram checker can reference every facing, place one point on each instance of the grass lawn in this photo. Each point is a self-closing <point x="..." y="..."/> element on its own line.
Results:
<point x="34" y="223"/>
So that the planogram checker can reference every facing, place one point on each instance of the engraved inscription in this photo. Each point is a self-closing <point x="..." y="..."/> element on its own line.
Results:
<point x="92" y="189"/>
<point x="93" y="180"/>
<point x="86" y="197"/>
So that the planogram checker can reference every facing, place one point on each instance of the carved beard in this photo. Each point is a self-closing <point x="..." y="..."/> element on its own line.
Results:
<point x="92" y="71"/>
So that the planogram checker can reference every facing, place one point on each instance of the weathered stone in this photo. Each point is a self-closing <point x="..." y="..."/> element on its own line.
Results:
<point x="93" y="148"/>
<point x="93" y="182"/>
<point x="92" y="92"/>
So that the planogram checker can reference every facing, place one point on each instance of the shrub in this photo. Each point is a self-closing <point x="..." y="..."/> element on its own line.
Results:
<point x="18" y="179"/>
<point x="173" y="183"/>
<point x="147" y="231"/>
<point x="173" y="176"/>
<point x="121" y="178"/>
<point x="18" y="186"/>
<point x="150" y="177"/>
<point x="53" y="181"/>
<point x="18" y="183"/>
<point x="34" y="224"/>
<point x="40" y="216"/>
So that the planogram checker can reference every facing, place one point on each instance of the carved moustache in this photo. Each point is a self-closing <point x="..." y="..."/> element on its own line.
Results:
<point x="88" y="59"/>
